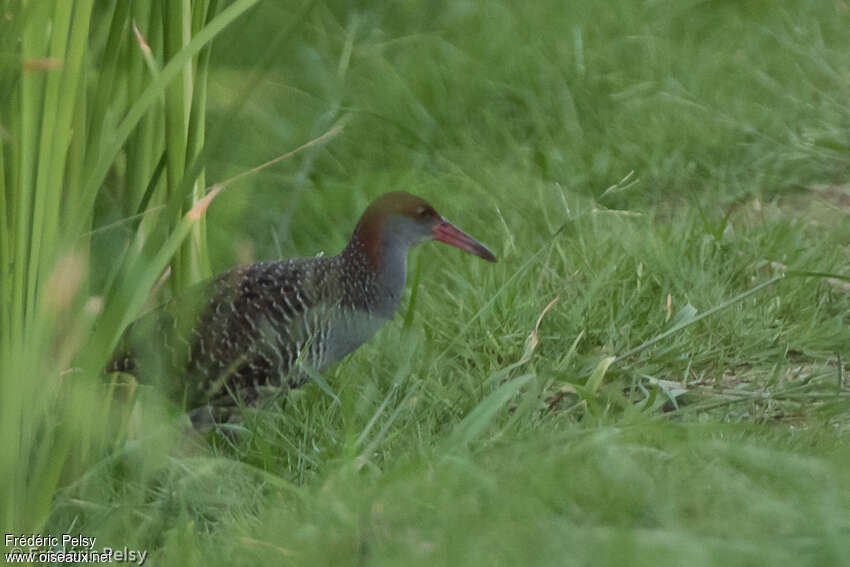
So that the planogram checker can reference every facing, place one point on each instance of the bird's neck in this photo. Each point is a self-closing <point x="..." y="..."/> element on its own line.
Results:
<point x="381" y="264"/>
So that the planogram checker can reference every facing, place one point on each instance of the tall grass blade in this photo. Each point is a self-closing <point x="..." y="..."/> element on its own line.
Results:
<point x="150" y="96"/>
<point x="598" y="374"/>
<point x="479" y="418"/>
<point x="688" y="322"/>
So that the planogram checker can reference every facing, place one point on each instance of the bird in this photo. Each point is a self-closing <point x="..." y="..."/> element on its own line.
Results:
<point x="263" y="327"/>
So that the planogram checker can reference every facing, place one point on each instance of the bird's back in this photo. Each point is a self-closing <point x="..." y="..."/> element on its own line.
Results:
<point x="244" y="330"/>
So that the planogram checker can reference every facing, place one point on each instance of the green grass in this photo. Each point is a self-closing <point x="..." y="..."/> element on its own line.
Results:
<point x="643" y="162"/>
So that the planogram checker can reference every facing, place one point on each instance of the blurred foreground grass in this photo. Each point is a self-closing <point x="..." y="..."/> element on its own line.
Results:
<point x="641" y="161"/>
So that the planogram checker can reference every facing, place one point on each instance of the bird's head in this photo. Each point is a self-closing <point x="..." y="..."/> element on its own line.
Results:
<point x="399" y="219"/>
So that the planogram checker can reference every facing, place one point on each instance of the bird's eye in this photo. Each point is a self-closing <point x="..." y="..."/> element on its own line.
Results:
<point x="422" y="212"/>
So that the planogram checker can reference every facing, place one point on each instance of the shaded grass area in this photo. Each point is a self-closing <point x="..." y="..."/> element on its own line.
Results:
<point x="466" y="434"/>
<point x="634" y="494"/>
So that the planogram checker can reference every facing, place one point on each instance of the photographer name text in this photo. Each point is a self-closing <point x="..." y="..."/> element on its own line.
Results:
<point x="66" y="548"/>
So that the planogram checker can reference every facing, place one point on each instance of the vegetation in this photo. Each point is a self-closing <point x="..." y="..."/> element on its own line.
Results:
<point x="654" y="373"/>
